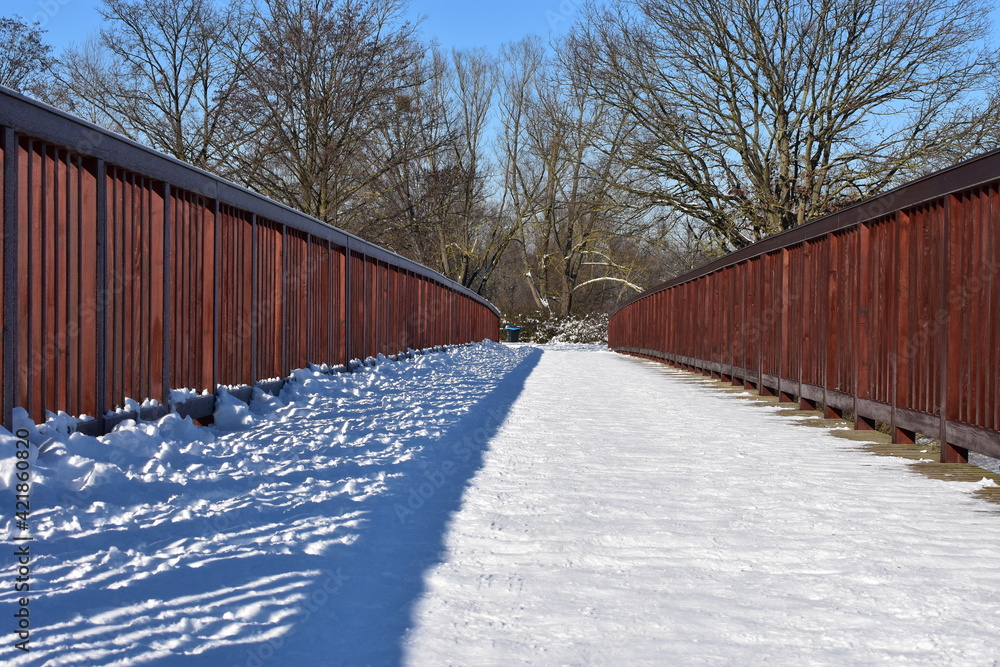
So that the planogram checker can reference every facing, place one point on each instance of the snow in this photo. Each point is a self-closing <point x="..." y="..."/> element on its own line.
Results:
<point x="495" y="505"/>
<point x="984" y="462"/>
<point x="629" y="514"/>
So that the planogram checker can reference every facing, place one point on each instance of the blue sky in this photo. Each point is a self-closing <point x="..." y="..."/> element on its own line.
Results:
<point x="454" y="23"/>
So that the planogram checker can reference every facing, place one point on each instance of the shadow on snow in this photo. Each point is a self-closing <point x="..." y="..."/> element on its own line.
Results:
<point x="349" y="602"/>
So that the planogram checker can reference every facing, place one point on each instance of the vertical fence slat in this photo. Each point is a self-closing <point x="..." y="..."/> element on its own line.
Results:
<point x="122" y="283"/>
<point x="9" y="242"/>
<point x="892" y="317"/>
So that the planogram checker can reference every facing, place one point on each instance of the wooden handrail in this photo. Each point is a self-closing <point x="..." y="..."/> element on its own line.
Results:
<point x="888" y="310"/>
<point x="127" y="273"/>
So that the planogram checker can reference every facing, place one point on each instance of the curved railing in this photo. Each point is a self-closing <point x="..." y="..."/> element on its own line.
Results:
<point x="127" y="273"/>
<point x="889" y="310"/>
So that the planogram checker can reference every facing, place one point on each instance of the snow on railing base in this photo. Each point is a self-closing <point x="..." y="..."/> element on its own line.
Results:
<point x="201" y="407"/>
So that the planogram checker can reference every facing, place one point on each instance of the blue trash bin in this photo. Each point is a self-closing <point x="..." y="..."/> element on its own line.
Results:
<point x="513" y="334"/>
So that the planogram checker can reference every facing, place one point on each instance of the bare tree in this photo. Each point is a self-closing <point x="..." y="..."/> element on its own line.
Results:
<point x="165" y="73"/>
<point x="485" y="227"/>
<point x="416" y="196"/>
<point x="567" y="181"/>
<point x="443" y="204"/>
<point x="331" y="80"/>
<point x="27" y="59"/>
<point x="756" y="115"/>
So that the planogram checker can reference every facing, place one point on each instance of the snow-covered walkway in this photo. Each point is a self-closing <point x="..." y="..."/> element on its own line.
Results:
<point x="498" y="505"/>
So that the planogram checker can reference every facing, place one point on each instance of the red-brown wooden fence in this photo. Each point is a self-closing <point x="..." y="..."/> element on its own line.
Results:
<point x="889" y="310"/>
<point x="126" y="273"/>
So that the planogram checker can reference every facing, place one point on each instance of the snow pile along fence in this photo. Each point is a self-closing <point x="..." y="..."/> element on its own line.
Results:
<point x="889" y="310"/>
<point x="127" y="273"/>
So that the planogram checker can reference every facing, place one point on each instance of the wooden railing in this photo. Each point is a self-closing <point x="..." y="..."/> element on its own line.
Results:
<point x="127" y="273"/>
<point x="889" y="310"/>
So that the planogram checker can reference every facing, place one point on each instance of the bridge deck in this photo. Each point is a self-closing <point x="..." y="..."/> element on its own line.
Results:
<point x="628" y="513"/>
<point x="496" y="505"/>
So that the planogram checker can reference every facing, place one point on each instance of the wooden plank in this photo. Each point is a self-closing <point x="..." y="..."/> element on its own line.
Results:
<point x="951" y="340"/>
<point x="74" y="271"/>
<point x="32" y="289"/>
<point x="205" y="289"/>
<point x="61" y="269"/>
<point x="9" y="165"/>
<point x="899" y="314"/>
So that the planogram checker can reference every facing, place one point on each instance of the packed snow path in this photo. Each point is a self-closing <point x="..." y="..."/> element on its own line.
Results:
<point x="497" y="505"/>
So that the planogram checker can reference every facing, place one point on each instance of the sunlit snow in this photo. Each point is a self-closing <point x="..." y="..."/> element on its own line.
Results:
<point x="496" y="505"/>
